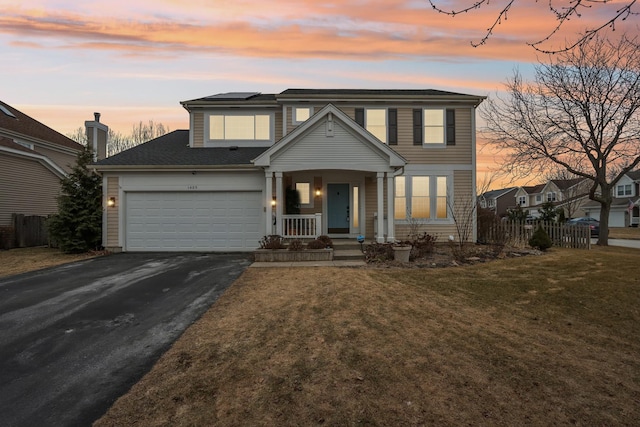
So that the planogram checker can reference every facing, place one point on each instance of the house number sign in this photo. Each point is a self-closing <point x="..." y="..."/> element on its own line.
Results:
<point x="192" y="187"/>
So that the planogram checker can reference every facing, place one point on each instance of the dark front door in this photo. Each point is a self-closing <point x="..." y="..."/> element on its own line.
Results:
<point x="338" y="207"/>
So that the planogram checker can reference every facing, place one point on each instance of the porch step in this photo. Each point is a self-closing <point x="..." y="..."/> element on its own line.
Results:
<point x="347" y="250"/>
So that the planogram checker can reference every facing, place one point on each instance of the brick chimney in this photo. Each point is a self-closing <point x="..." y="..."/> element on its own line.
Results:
<point x="97" y="134"/>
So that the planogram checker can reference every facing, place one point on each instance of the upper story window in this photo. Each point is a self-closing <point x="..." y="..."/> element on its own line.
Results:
<point x="522" y="200"/>
<point x="492" y="203"/>
<point x="241" y="127"/>
<point x="538" y="198"/>
<point x="381" y="122"/>
<point x="301" y="114"/>
<point x="551" y="196"/>
<point x="623" y="190"/>
<point x="434" y="127"/>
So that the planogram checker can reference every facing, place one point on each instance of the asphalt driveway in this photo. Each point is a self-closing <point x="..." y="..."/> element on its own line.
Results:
<point x="74" y="338"/>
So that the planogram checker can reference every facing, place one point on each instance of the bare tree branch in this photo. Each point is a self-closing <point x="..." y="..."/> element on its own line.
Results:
<point x="581" y="112"/>
<point x="562" y="14"/>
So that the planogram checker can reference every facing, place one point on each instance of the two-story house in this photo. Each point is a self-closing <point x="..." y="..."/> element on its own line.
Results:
<point x="33" y="160"/>
<point x="625" y="211"/>
<point x="567" y="194"/>
<point x="363" y="162"/>
<point x="498" y="201"/>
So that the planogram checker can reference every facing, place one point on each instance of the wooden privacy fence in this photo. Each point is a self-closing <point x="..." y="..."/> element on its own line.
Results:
<point x="518" y="234"/>
<point x="25" y="231"/>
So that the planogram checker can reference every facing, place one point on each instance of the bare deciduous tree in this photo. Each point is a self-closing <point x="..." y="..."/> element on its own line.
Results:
<point x="560" y="10"/>
<point x="140" y="133"/>
<point x="581" y="112"/>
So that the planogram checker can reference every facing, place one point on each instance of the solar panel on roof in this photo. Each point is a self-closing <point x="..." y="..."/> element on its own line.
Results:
<point x="234" y="95"/>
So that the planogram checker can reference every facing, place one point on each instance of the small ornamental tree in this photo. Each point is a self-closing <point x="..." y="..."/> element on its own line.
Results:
<point x="540" y="239"/>
<point x="547" y="212"/>
<point x="77" y="227"/>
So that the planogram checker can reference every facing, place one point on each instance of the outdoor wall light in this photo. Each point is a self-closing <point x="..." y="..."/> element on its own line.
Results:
<point x="111" y="202"/>
<point x="318" y="192"/>
<point x="273" y="201"/>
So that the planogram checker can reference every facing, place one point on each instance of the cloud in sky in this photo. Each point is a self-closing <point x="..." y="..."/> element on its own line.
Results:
<point x="135" y="60"/>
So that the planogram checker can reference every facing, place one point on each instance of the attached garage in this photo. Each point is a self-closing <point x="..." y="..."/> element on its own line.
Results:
<point x="193" y="221"/>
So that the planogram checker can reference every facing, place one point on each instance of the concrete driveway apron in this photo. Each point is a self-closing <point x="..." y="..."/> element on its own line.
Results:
<point x="74" y="338"/>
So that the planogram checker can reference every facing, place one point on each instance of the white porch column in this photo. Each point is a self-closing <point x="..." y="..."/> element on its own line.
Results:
<point x="279" y="203"/>
<point x="268" y="195"/>
<point x="390" y="208"/>
<point x="380" y="180"/>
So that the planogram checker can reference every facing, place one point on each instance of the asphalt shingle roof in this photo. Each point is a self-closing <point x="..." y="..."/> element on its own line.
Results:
<point x="21" y="123"/>
<point x="173" y="149"/>
<point x="374" y="92"/>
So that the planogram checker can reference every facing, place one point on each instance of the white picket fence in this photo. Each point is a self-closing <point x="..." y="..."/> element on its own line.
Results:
<point x="518" y="234"/>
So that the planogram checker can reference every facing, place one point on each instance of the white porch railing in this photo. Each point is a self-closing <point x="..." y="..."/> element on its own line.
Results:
<point x="635" y="220"/>
<point x="302" y="226"/>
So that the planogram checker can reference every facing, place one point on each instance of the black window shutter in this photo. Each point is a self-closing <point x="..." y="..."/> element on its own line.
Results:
<point x="360" y="116"/>
<point x="451" y="127"/>
<point x="417" y="126"/>
<point x="392" y="128"/>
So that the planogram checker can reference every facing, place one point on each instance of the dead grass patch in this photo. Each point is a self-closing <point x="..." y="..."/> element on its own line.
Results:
<point x="624" y="233"/>
<point x="22" y="260"/>
<point x="547" y="340"/>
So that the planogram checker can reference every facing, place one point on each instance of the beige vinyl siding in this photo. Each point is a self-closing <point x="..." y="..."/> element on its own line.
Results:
<point x="371" y="205"/>
<point x="198" y="129"/>
<point x="113" y="216"/>
<point x="322" y="151"/>
<point x="28" y="188"/>
<point x="278" y="125"/>
<point x="461" y="153"/>
<point x="65" y="161"/>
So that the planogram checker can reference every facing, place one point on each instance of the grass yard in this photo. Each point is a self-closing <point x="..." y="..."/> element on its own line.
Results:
<point x="537" y="340"/>
<point x="22" y="260"/>
<point x="624" y="233"/>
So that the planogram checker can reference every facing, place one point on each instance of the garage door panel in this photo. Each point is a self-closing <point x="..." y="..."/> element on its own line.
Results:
<point x="193" y="221"/>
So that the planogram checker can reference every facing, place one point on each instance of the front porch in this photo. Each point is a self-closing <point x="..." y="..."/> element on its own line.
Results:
<point x="339" y="204"/>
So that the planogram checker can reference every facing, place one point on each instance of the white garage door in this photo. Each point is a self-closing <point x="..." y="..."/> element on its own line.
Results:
<point x="194" y="221"/>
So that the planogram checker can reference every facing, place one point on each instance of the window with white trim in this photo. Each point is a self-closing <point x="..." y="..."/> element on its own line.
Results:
<point x="434" y="127"/>
<point x="375" y="120"/>
<point x="241" y="127"/>
<point x="623" y="190"/>
<point x="551" y="196"/>
<point x="422" y="197"/>
<point x="522" y="200"/>
<point x="304" y="190"/>
<point x="538" y="198"/>
<point x="301" y="114"/>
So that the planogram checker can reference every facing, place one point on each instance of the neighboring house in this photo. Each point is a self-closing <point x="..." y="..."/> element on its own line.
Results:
<point x="624" y="207"/>
<point x="498" y="201"/>
<point x="568" y="194"/>
<point x="361" y="161"/>
<point x="33" y="160"/>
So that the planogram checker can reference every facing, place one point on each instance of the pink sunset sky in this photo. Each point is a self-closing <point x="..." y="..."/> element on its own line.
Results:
<point x="136" y="60"/>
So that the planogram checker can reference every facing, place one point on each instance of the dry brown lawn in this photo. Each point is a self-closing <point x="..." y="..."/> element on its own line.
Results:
<point x="624" y="233"/>
<point x="537" y="340"/>
<point x="22" y="260"/>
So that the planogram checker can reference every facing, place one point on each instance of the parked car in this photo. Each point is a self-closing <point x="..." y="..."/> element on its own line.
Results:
<point x="593" y="224"/>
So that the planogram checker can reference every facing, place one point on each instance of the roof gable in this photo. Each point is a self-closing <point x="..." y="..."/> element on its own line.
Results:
<point x="20" y="123"/>
<point x="330" y="140"/>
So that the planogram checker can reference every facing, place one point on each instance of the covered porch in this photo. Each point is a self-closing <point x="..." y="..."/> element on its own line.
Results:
<point x="342" y="175"/>
<point x="340" y="204"/>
